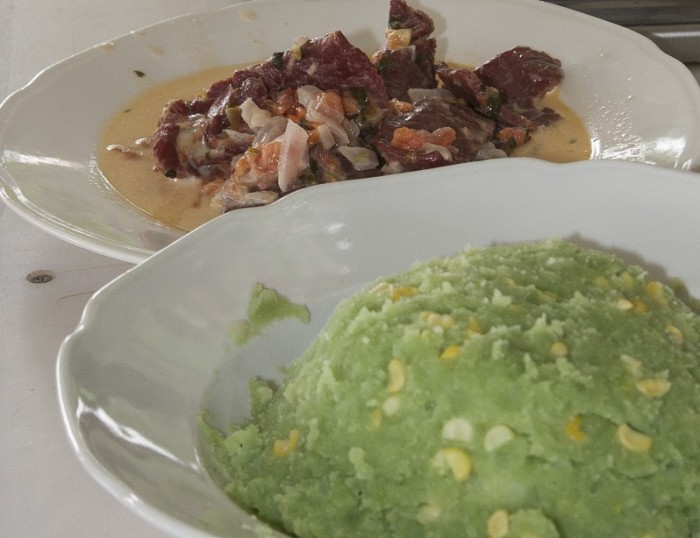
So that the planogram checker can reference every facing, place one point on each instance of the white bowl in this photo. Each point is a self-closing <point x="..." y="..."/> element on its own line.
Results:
<point x="638" y="103"/>
<point x="153" y="348"/>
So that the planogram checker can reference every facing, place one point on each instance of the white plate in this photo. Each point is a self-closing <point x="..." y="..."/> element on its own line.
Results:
<point x="638" y="103"/>
<point x="153" y="350"/>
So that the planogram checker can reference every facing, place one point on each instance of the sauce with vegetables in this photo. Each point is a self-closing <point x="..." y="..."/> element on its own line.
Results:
<point x="304" y="117"/>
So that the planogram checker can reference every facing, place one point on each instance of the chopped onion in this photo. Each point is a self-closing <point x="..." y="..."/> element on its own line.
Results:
<point x="238" y="137"/>
<point x="415" y="94"/>
<point x="397" y="39"/>
<point x="221" y="103"/>
<point x="190" y="136"/>
<point x="144" y="141"/>
<point x="444" y="152"/>
<point x="352" y="128"/>
<point x="311" y="70"/>
<point x="294" y="155"/>
<point x="326" y="136"/>
<point x="307" y="95"/>
<point x="322" y="111"/>
<point x="360" y="158"/>
<point x="311" y="98"/>
<point x="339" y="134"/>
<point x="296" y="46"/>
<point x="126" y="150"/>
<point x="256" y="198"/>
<point x="271" y="129"/>
<point x="489" y="151"/>
<point x="253" y="115"/>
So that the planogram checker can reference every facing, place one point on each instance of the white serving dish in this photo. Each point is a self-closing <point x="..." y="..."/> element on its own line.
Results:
<point x="638" y="103"/>
<point x="153" y="348"/>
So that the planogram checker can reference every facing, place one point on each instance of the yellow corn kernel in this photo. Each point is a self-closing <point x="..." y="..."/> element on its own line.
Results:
<point x="498" y="525"/>
<point x="294" y="436"/>
<point x="674" y="334"/>
<point x="457" y="460"/>
<point x="280" y="448"/>
<point x="447" y="322"/>
<point x="639" y="306"/>
<point x="633" y="440"/>
<point x="559" y="349"/>
<point x="426" y="334"/>
<point x="450" y="352"/>
<point x="633" y="366"/>
<point x="573" y="429"/>
<point x="624" y="304"/>
<point x="437" y="320"/>
<point x="429" y="512"/>
<point x="601" y="282"/>
<point x="473" y="326"/>
<point x="397" y="375"/>
<point x="391" y="405"/>
<point x="653" y="388"/>
<point x="296" y="51"/>
<point x="627" y="280"/>
<point x="403" y="291"/>
<point x="497" y="436"/>
<point x="458" y="429"/>
<point x="284" y="447"/>
<point x="381" y="288"/>
<point x="655" y="290"/>
<point x="376" y="417"/>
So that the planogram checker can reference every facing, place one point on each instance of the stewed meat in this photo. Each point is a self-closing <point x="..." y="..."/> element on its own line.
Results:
<point x="323" y="111"/>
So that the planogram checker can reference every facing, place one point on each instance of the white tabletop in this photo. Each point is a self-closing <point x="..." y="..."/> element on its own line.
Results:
<point x="44" y="491"/>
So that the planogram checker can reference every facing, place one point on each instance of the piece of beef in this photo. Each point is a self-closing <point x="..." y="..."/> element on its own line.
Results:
<point x="473" y="131"/>
<point x="507" y="88"/>
<point x="329" y="62"/>
<point x="467" y="85"/>
<point x="401" y="69"/>
<point x="522" y="75"/>
<point x="403" y="16"/>
<point x="411" y="65"/>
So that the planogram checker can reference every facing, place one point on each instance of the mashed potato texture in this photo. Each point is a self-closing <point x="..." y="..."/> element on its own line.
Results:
<point x="530" y="390"/>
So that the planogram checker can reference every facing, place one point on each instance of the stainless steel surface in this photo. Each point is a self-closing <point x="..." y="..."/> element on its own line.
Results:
<point x="638" y="12"/>
<point x="674" y="25"/>
<point x="682" y="41"/>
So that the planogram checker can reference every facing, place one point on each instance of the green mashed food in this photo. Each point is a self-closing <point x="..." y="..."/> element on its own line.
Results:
<point x="533" y="390"/>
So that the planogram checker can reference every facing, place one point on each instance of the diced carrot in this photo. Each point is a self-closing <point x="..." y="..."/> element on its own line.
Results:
<point x="296" y="114"/>
<point x="269" y="156"/>
<point x="518" y="135"/>
<point x="331" y="104"/>
<point x="314" y="137"/>
<point x="284" y="101"/>
<point x="407" y="138"/>
<point x="414" y="139"/>
<point x="399" y="107"/>
<point x="243" y="164"/>
<point x="442" y="136"/>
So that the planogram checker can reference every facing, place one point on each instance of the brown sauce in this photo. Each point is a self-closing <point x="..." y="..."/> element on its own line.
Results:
<point x="178" y="202"/>
<point x="562" y="142"/>
<point x="173" y="202"/>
